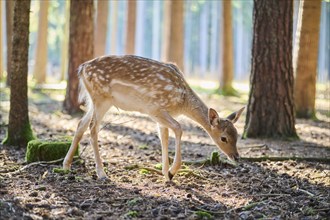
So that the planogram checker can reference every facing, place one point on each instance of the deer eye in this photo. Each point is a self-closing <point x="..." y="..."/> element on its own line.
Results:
<point x="224" y="139"/>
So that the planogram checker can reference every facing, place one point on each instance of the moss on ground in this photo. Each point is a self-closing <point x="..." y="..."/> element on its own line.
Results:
<point x="38" y="150"/>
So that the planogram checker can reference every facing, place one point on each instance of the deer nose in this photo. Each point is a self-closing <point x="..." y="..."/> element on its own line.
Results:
<point x="236" y="157"/>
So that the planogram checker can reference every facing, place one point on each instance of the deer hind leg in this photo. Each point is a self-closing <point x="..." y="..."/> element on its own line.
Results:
<point x="81" y="128"/>
<point x="165" y="120"/>
<point x="163" y="135"/>
<point x="99" y="111"/>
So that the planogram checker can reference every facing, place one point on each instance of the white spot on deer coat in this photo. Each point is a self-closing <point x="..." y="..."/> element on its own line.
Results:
<point x="168" y="87"/>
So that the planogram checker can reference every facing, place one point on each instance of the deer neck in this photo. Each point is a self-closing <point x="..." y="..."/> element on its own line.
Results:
<point x="197" y="111"/>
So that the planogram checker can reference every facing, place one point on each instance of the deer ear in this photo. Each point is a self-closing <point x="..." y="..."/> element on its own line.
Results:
<point x="233" y="117"/>
<point x="213" y="117"/>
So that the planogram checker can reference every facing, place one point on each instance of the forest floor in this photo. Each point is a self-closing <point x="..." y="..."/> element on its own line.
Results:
<point x="267" y="189"/>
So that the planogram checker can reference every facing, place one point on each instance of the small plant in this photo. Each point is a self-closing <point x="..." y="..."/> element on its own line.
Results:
<point x="134" y="201"/>
<point x="144" y="171"/>
<point x="143" y="147"/>
<point x="309" y="211"/>
<point x="215" y="158"/>
<point x="60" y="171"/>
<point x="131" y="167"/>
<point x="158" y="166"/>
<point x="132" y="214"/>
<point x="203" y="215"/>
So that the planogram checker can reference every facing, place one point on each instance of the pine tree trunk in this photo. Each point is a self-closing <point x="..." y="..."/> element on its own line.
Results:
<point x="80" y="48"/>
<point x="271" y="106"/>
<point x="40" y="68"/>
<point x="19" y="129"/>
<point x="227" y="49"/>
<point x="9" y="30"/>
<point x="175" y="47"/>
<point x="114" y="26"/>
<point x="307" y="44"/>
<point x="65" y="43"/>
<point x="101" y="28"/>
<point x="155" y="52"/>
<point x="166" y="29"/>
<point x="131" y="27"/>
<point x="1" y="49"/>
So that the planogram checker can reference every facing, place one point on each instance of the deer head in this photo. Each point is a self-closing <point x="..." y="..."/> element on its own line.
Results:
<point x="224" y="133"/>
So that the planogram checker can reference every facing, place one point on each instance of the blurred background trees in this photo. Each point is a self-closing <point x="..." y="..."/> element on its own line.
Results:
<point x="101" y="28"/>
<point x="202" y="35"/>
<point x="40" y="67"/>
<point x="306" y="57"/>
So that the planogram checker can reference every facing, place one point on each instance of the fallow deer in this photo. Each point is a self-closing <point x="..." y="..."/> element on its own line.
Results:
<point x="156" y="89"/>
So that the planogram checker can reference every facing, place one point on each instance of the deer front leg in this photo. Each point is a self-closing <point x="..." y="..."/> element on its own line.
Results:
<point x="163" y="135"/>
<point x="81" y="128"/>
<point x="166" y="120"/>
<point x="177" y="158"/>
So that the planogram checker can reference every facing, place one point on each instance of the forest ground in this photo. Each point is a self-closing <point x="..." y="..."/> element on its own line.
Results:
<point x="128" y="141"/>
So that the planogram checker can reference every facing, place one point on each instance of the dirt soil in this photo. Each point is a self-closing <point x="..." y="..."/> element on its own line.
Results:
<point x="128" y="141"/>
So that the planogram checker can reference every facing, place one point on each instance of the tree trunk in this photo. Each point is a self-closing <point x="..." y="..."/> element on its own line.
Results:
<point x="40" y="68"/>
<point x="1" y="49"/>
<point x="271" y="106"/>
<point x="307" y="44"/>
<point x="227" y="50"/>
<point x="80" y="48"/>
<point x="9" y="30"/>
<point x="101" y="27"/>
<point x="156" y="14"/>
<point x="65" y="43"/>
<point x="131" y="27"/>
<point x="166" y="29"/>
<point x="175" y="47"/>
<point x="114" y="26"/>
<point x="19" y="129"/>
<point x="204" y="39"/>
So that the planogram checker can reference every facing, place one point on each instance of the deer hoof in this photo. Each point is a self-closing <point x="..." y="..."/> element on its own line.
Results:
<point x="170" y="175"/>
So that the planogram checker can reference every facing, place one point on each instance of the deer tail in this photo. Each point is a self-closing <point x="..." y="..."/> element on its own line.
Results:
<point x="84" y="96"/>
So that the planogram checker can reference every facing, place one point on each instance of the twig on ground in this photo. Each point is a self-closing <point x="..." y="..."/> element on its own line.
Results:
<point x="306" y="192"/>
<point x="150" y="169"/>
<point x="254" y="146"/>
<point x="37" y="163"/>
<point x="308" y="159"/>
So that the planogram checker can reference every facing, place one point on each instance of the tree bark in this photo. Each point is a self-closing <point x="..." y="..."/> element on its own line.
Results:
<point x="40" y="68"/>
<point x="65" y="43"/>
<point x="131" y="27"/>
<point x="175" y="46"/>
<point x="227" y="50"/>
<point x="156" y="24"/>
<point x="1" y="49"/>
<point x="307" y="44"/>
<point x="101" y="27"/>
<point x="114" y="26"/>
<point x="80" y="48"/>
<point x="271" y="106"/>
<point x="19" y="129"/>
<point x="166" y="29"/>
<point x="9" y="30"/>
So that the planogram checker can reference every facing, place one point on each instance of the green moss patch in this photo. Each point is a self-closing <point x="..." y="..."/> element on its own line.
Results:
<point x="203" y="215"/>
<point x="38" y="150"/>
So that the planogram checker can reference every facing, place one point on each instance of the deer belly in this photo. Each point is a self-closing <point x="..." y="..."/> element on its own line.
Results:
<point x="132" y="99"/>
